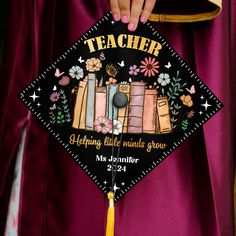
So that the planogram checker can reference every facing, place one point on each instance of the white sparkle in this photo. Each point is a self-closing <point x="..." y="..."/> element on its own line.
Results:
<point x="39" y="89"/>
<point x="38" y="104"/>
<point x="200" y="112"/>
<point x="206" y="105"/>
<point x="202" y="97"/>
<point x="105" y="182"/>
<point x="112" y="22"/>
<point x="34" y="96"/>
<point x="122" y="183"/>
<point x="115" y="187"/>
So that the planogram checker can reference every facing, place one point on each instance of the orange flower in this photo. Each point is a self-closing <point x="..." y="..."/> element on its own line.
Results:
<point x="187" y="100"/>
<point x="111" y="81"/>
<point x="93" y="64"/>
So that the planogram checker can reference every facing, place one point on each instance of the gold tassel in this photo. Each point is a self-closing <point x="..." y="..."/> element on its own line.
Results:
<point x="110" y="229"/>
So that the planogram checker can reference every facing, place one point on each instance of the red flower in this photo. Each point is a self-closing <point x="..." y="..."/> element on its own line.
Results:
<point x="149" y="66"/>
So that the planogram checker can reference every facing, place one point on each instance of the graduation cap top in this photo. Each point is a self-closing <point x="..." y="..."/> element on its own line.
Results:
<point x="120" y="102"/>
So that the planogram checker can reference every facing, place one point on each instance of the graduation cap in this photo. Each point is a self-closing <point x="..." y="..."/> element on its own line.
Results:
<point x="120" y="102"/>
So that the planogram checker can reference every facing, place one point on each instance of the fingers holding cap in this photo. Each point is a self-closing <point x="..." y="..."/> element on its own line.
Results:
<point x="136" y="9"/>
<point x="115" y="9"/>
<point x="148" y="7"/>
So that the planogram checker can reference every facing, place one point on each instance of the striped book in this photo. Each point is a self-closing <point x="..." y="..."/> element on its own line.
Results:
<point x="149" y="111"/>
<point x="112" y="89"/>
<point x="100" y="104"/>
<point x="90" y="109"/>
<point x="80" y="106"/>
<point x="163" y="123"/>
<point x="123" y="112"/>
<point x="135" y="120"/>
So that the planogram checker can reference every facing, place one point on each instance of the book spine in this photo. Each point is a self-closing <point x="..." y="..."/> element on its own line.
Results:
<point x="90" y="109"/>
<point x="100" y="107"/>
<point x="80" y="101"/>
<point x="149" y="111"/>
<point x="163" y="116"/>
<point x="123" y="112"/>
<point x="111" y="90"/>
<point x="135" y="120"/>
<point x="83" y="111"/>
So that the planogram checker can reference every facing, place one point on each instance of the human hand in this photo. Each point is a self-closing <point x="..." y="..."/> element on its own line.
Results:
<point x="130" y="11"/>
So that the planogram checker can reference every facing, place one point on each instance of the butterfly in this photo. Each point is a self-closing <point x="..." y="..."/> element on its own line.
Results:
<point x="80" y="60"/>
<point x="191" y="90"/>
<point x="58" y="73"/>
<point x="121" y="64"/>
<point x="168" y="65"/>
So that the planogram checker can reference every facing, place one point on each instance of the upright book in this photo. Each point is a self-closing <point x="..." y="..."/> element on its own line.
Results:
<point x="135" y="120"/>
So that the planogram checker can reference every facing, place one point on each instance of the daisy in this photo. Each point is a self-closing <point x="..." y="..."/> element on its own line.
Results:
<point x="149" y="66"/>
<point x="163" y="79"/>
<point x="117" y="127"/>
<point x="76" y="72"/>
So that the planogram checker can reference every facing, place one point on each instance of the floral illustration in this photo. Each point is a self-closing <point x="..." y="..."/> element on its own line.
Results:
<point x="190" y="114"/>
<point x="187" y="100"/>
<point x="163" y="79"/>
<point x="103" y="124"/>
<point x="149" y="66"/>
<point x="134" y="70"/>
<point x="111" y="81"/>
<point x="65" y="105"/>
<point x="93" y="64"/>
<point x="117" y="127"/>
<point x="60" y="118"/>
<point x="112" y="70"/>
<point x="184" y="124"/>
<point x="54" y="97"/>
<point x="76" y="72"/>
<point x="65" y="80"/>
<point x="86" y="80"/>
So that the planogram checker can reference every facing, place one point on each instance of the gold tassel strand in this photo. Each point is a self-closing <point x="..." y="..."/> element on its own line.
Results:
<point x="110" y="228"/>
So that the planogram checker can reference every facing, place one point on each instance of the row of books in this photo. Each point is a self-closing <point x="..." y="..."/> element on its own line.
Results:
<point x="146" y="112"/>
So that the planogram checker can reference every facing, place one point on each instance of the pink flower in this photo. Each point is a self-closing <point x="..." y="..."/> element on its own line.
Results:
<point x="54" y="96"/>
<point x="103" y="124"/>
<point x="149" y="66"/>
<point x="133" y="70"/>
<point x="111" y="81"/>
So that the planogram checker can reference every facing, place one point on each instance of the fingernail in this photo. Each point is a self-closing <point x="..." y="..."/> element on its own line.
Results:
<point x="143" y="19"/>
<point x="131" y="26"/>
<point x="124" y="19"/>
<point x="116" y="17"/>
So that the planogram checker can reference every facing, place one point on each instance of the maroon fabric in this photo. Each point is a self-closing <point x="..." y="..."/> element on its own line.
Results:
<point x="190" y="193"/>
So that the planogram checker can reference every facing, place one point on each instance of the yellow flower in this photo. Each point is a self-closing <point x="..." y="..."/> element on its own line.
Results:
<point x="187" y="100"/>
<point x="93" y="64"/>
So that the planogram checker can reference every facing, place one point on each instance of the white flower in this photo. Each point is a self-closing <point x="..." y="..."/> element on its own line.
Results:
<point x="163" y="79"/>
<point x="117" y="127"/>
<point x="76" y="72"/>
